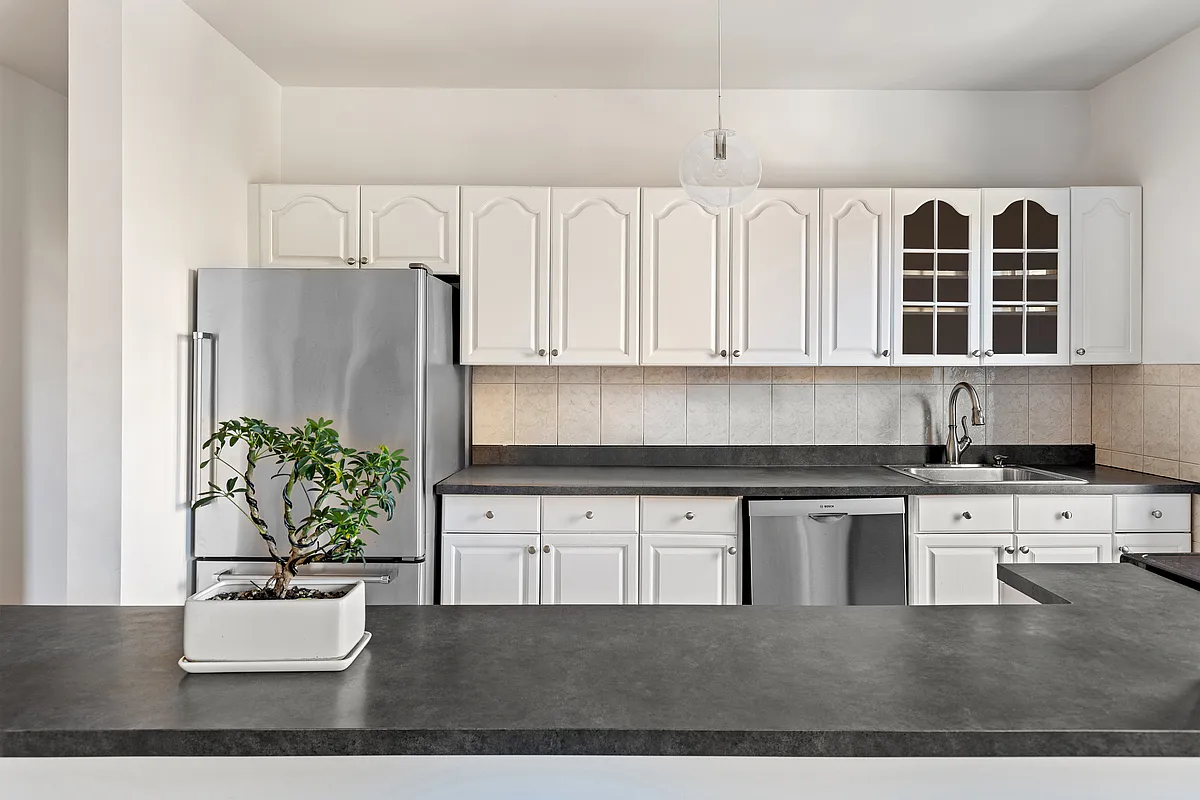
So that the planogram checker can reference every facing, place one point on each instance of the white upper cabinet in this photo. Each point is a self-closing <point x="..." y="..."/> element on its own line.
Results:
<point x="307" y="226"/>
<point x="1026" y="276"/>
<point x="774" y="251"/>
<point x="591" y="568"/>
<point x="856" y="277"/>
<point x="402" y="225"/>
<point x="1106" y="275"/>
<point x="594" y="276"/>
<point x="505" y="275"/>
<point x="685" y="281"/>
<point x="936" y="263"/>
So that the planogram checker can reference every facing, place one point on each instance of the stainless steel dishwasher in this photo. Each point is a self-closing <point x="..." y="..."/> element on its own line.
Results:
<point x="846" y="552"/>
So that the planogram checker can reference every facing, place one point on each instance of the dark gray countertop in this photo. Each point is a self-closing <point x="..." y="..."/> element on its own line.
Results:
<point x="840" y="481"/>
<point x="1116" y="671"/>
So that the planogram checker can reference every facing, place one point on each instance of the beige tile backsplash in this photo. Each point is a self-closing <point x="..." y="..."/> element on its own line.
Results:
<point x="783" y="405"/>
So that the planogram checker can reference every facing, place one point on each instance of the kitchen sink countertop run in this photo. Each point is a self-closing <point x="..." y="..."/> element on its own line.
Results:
<point x="1108" y="668"/>
<point x="807" y="481"/>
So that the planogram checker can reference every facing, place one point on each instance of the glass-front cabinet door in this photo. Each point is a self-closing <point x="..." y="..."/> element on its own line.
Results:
<point x="937" y="234"/>
<point x="1026" y="274"/>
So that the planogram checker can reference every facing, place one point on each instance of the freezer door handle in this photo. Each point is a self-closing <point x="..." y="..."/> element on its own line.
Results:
<point x="198" y="338"/>
<point x="227" y="575"/>
<point x="827" y="517"/>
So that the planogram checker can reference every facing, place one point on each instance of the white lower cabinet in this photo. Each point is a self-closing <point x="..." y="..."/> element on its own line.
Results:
<point x="689" y="569"/>
<point x="589" y="568"/>
<point x="490" y="569"/>
<point x="957" y="568"/>
<point x="1150" y="543"/>
<point x="1064" y="548"/>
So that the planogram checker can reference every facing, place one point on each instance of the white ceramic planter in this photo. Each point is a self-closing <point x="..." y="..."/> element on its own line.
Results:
<point x="272" y="630"/>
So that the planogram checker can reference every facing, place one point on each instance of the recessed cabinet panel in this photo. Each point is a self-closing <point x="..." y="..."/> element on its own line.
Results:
<point x="308" y="226"/>
<point x="958" y="569"/>
<point x="774" y="249"/>
<point x="403" y="225"/>
<point x="682" y="569"/>
<point x="490" y="568"/>
<point x="685" y="281"/>
<point x="1026" y="276"/>
<point x="936" y="259"/>
<point x="856" y="276"/>
<point x="1106" y="269"/>
<point x="589" y="568"/>
<point x="505" y="275"/>
<point x="594" y="276"/>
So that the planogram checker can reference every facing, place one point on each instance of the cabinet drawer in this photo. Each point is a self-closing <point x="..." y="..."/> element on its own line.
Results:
<point x="1064" y="513"/>
<point x="689" y="514"/>
<point x="490" y="513"/>
<point x="965" y="513"/>
<point x="1154" y="512"/>
<point x="584" y="514"/>
<point x="1150" y="543"/>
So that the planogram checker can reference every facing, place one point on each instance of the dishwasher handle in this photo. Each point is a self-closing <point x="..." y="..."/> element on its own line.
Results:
<point x="827" y="517"/>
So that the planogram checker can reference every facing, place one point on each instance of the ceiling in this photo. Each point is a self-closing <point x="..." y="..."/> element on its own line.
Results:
<point x="776" y="44"/>
<point x="33" y="40"/>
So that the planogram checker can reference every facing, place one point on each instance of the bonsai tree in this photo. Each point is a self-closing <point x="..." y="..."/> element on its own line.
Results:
<point x="343" y="490"/>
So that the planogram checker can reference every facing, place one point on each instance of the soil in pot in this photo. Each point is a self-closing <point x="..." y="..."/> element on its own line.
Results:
<point x="294" y="593"/>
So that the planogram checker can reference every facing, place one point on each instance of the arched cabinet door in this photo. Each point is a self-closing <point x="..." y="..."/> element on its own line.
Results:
<point x="1026" y="278"/>
<point x="505" y="275"/>
<point x="685" y="281"/>
<point x="307" y="226"/>
<point x="936" y="264"/>
<point x="403" y="225"/>
<point x="774" y="244"/>
<point x="1106" y="275"/>
<point x="856" y="277"/>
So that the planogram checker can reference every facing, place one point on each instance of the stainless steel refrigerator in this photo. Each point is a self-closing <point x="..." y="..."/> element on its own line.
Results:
<point x="372" y="350"/>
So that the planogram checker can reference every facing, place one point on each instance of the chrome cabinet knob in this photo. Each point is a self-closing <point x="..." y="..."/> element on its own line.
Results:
<point x="1080" y="351"/>
<point x="545" y="548"/>
<point x="1010" y="549"/>
<point x="990" y="353"/>
<point x="554" y="352"/>
<point x="489" y="515"/>
<point x="589" y="514"/>
<point x="974" y="354"/>
<point x="966" y="515"/>
<point x="689" y="515"/>
<point x="733" y="551"/>
<point x="532" y="550"/>
<point x="1156" y="514"/>
<point x="1123" y="549"/>
<point x="350" y="261"/>
<point x="1067" y="515"/>
<point x="723" y="353"/>
<point x="737" y="353"/>
<point x="542" y="352"/>
<point x="1024" y="549"/>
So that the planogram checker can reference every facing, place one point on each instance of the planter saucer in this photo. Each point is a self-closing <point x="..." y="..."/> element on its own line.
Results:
<point x="313" y="665"/>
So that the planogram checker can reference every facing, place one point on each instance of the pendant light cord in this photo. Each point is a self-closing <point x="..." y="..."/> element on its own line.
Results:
<point x="720" y="67"/>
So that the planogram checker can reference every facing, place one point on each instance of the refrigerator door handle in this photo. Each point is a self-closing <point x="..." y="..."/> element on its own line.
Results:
<point x="197" y="438"/>
<point x="227" y="575"/>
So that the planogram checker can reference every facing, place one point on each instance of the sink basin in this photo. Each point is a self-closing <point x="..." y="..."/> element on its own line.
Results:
<point x="978" y="473"/>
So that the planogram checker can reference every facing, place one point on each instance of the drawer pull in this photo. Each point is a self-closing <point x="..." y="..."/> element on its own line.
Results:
<point x="532" y="550"/>
<point x="1156" y="514"/>
<point x="1067" y="515"/>
<point x="489" y="515"/>
<point x="1024" y="549"/>
<point x="589" y="515"/>
<point x="689" y="515"/>
<point x="966" y="515"/>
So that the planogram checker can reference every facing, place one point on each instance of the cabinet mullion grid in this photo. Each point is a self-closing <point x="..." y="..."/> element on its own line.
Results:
<point x="1025" y="305"/>
<point x="935" y="305"/>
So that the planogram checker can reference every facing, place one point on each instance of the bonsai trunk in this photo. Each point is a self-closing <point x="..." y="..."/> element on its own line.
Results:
<point x="285" y="572"/>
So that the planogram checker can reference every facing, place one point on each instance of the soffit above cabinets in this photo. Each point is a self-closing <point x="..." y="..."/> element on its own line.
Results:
<point x="670" y="44"/>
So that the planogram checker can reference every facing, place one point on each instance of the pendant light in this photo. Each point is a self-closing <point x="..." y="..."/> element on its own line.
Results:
<point x="718" y="168"/>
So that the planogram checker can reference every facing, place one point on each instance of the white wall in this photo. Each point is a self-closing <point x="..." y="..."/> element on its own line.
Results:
<point x="33" y="371"/>
<point x="181" y="122"/>
<point x="619" y="137"/>
<point x="1146" y="130"/>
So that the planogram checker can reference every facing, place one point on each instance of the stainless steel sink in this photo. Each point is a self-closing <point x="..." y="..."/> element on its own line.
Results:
<point x="979" y="473"/>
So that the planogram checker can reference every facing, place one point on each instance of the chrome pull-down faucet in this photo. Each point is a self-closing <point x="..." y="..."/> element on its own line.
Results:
<point x="955" y="446"/>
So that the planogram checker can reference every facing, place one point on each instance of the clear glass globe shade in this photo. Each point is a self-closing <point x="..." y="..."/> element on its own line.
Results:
<point x="719" y="183"/>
